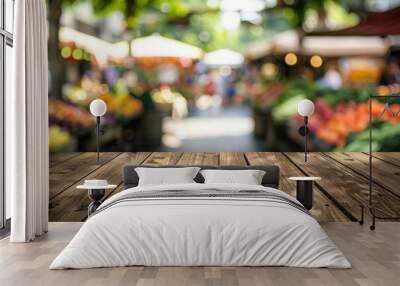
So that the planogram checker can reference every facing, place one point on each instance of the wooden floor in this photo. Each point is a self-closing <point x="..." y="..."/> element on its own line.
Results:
<point x="374" y="255"/>
<point x="344" y="184"/>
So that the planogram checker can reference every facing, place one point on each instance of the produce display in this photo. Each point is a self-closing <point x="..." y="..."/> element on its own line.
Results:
<point x="119" y="102"/>
<point x="64" y="120"/>
<point x="58" y="138"/>
<point x="341" y="116"/>
<point x="68" y="116"/>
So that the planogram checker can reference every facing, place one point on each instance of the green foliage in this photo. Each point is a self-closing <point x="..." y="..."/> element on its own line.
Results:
<point x="297" y="87"/>
<point x="346" y="94"/>
<point x="385" y="137"/>
<point x="283" y="111"/>
<point x="194" y="22"/>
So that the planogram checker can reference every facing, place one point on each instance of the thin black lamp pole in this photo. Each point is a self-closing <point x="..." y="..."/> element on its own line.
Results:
<point x="370" y="152"/>
<point x="98" y="137"/>
<point x="370" y="169"/>
<point x="98" y="108"/>
<point x="305" y="137"/>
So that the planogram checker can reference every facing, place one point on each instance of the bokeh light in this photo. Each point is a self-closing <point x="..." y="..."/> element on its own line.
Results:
<point x="66" y="52"/>
<point x="291" y="59"/>
<point x="316" y="61"/>
<point x="77" y="54"/>
<point x="269" y="70"/>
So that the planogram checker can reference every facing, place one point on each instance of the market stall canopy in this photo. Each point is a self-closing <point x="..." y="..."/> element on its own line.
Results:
<point x="328" y="46"/>
<point x="156" y="46"/>
<point x="281" y="43"/>
<point x="286" y="42"/>
<point x="338" y="46"/>
<point x="103" y="51"/>
<point x="375" y="24"/>
<point x="223" y="57"/>
<point x="258" y="49"/>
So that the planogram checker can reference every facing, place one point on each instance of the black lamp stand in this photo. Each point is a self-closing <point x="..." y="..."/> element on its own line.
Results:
<point x="370" y="204"/>
<point x="98" y="138"/>
<point x="303" y="130"/>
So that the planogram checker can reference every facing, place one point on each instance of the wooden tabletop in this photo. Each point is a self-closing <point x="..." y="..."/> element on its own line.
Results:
<point x="337" y="196"/>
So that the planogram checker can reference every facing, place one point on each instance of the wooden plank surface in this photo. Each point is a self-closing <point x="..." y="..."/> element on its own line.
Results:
<point x="342" y="188"/>
<point x="347" y="189"/>
<point x="232" y="158"/>
<point x="71" y="204"/>
<point x="337" y="196"/>
<point x="56" y="158"/>
<point x="199" y="158"/>
<point x="163" y="158"/>
<point x="67" y="173"/>
<point x="324" y="210"/>
<point x="390" y="157"/>
<point x="385" y="174"/>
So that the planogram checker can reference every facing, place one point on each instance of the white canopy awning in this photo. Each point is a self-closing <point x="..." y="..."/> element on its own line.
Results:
<point x="223" y="57"/>
<point x="328" y="46"/>
<point x="102" y="50"/>
<point x="336" y="46"/>
<point x="156" y="46"/>
<point x="281" y="43"/>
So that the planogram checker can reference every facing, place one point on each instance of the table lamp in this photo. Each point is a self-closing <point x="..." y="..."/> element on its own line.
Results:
<point x="98" y="108"/>
<point x="305" y="108"/>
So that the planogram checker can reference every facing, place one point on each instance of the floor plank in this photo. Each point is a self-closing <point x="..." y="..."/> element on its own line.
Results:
<point x="199" y="158"/>
<point x="56" y="158"/>
<point x="163" y="158"/>
<point x="343" y="186"/>
<point x="232" y="158"/>
<point x="71" y="205"/>
<point x="375" y="259"/>
<point x="385" y="174"/>
<point x="390" y="157"/>
<point x="67" y="173"/>
<point x="323" y="210"/>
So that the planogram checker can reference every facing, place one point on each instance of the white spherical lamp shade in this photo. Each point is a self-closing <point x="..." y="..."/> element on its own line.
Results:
<point x="98" y="107"/>
<point x="305" y="107"/>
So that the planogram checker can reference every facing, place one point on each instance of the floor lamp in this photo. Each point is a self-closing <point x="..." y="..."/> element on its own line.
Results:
<point x="98" y="108"/>
<point x="305" y="108"/>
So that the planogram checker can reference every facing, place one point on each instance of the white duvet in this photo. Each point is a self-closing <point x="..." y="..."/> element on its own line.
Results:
<point x="200" y="231"/>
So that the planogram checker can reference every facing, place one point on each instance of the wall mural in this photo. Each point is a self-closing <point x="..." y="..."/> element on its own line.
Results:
<point x="221" y="76"/>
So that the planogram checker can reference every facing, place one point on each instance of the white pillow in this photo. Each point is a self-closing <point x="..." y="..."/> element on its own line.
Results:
<point x="166" y="176"/>
<point x="248" y="177"/>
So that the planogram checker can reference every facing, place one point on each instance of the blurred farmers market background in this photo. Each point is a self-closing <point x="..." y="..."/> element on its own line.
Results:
<point x="223" y="75"/>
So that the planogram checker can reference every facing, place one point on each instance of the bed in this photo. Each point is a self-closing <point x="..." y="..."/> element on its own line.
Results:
<point x="198" y="224"/>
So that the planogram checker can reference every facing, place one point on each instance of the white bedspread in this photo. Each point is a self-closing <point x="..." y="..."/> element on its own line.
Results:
<point x="200" y="231"/>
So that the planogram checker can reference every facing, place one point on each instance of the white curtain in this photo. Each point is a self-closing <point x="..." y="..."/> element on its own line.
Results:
<point x="27" y="124"/>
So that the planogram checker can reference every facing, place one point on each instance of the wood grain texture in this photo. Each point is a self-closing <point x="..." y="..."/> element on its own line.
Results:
<point x="346" y="188"/>
<point x="337" y="196"/>
<point x="385" y="174"/>
<point x="375" y="258"/>
<point x="323" y="210"/>
<point x="232" y="158"/>
<point x="163" y="158"/>
<point x="199" y="158"/>
<point x="56" y="158"/>
<point x="71" y="204"/>
<point x="343" y="188"/>
<point x="390" y="157"/>
<point x="65" y="174"/>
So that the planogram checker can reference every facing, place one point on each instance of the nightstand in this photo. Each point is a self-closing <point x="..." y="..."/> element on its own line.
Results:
<point x="95" y="193"/>
<point x="304" y="192"/>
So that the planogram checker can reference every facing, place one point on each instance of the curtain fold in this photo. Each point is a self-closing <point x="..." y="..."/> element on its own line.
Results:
<point x="27" y="124"/>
